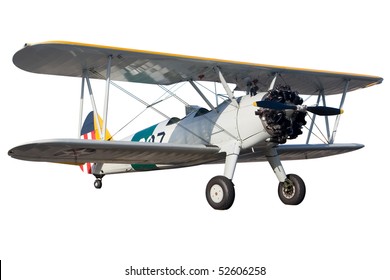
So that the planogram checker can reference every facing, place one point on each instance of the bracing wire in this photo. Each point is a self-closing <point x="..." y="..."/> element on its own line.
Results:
<point x="158" y="100"/>
<point x="319" y="138"/>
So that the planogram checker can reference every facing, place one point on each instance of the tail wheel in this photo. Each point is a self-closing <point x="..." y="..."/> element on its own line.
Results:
<point x="220" y="193"/>
<point x="98" y="183"/>
<point x="292" y="191"/>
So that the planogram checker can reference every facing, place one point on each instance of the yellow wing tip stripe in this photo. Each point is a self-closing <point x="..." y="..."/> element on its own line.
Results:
<point x="375" y="83"/>
<point x="282" y="68"/>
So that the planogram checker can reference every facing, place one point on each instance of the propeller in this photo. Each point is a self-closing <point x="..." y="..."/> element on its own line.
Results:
<point x="318" y="110"/>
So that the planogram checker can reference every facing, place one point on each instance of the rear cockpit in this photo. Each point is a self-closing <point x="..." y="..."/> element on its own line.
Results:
<point x="173" y="121"/>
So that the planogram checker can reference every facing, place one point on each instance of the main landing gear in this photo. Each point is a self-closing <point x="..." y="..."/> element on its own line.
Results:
<point x="291" y="187"/>
<point x="220" y="191"/>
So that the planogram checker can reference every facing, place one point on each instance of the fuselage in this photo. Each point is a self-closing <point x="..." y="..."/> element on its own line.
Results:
<point x="226" y="123"/>
<point x="229" y="122"/>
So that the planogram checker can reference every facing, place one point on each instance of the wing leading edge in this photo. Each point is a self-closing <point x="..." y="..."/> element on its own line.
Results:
<point x="72" y="59"/>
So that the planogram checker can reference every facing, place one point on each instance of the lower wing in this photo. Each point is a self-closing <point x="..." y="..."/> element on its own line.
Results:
<point x="300" y="151"/>
<point x="80" y="151"/>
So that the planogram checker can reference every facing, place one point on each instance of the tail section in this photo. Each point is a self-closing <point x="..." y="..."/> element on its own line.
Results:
<point x="92" y="130"/>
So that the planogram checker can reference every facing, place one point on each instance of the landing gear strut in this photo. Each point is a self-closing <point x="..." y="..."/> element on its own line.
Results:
<point x="220" y="189"/>
<point x="291" y="188"/>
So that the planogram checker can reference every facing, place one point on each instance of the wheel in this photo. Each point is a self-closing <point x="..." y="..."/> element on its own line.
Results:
<point x="98" y="183"/>
<point x="220" y="193"/>
<point x="292" y="191"/>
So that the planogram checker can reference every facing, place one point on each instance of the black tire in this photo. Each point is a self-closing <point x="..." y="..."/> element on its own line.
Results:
<point x="220" y="193"/>
<point x="98" y="183"/>
<point x="294" y="193"/>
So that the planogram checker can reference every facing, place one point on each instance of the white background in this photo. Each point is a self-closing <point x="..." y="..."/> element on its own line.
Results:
<point x="55" y="225"/>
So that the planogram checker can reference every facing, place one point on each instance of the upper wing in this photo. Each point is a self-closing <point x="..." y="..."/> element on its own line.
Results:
<point x="79" y="151"/>
<point x="71" y="59"/>
<point x="300" y="151"/>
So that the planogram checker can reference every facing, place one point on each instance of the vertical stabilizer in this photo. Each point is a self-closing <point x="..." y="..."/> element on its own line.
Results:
<point x="91" y="130"/>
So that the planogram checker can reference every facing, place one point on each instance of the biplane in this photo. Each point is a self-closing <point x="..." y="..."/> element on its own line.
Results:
<point x="254" y="126"/>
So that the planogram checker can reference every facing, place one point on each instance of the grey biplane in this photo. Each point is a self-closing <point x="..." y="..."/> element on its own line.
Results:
<point x="252" y="127"/>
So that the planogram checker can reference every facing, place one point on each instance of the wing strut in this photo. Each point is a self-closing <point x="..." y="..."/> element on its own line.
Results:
<point x="105" y="112"/>
<point x="81" y="105"/>
<point x="326" y="117"/>
<point x="226" y="87"/>
<point x="336" y="124"/>
<point x="272" y="85"/>
<point x="85" y="77"/>
<point x="95" y="111"/>
<point x="97" y="168"/>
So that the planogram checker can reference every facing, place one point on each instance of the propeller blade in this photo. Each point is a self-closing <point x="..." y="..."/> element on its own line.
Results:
<point x="274" y="105"/>
<point x="318" y="110"/>
<point x="324" y="111"/>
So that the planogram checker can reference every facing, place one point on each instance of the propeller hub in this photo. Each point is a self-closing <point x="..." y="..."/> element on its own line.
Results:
<point x="301" y="108"/>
